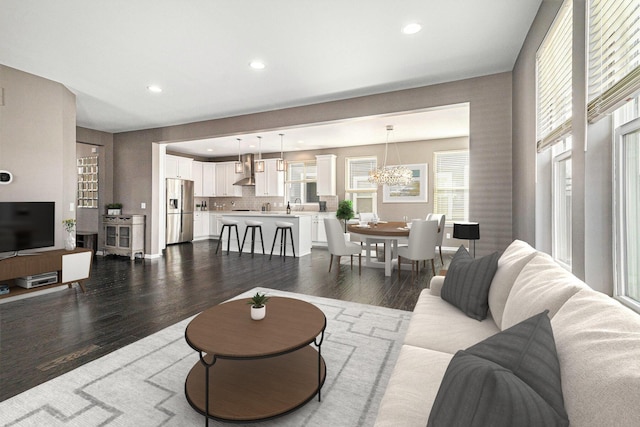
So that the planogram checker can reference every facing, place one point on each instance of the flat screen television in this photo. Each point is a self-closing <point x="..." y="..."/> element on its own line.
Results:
<point x="26" y="225"/>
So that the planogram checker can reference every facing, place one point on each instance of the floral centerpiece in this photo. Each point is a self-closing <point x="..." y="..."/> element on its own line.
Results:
<point x="70" y="241"/>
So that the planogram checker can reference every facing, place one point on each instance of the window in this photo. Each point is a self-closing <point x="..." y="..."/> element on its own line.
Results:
<point x="87" y="182"/>
<point x="451" y="184"/>
<point x="627" y="213"/>
<point x="358" y="189"/>
<point x="553" y="80"/>
<point x="614" y="54"/>
<point x="301" y="183"/>
<point x="561" y="218"/>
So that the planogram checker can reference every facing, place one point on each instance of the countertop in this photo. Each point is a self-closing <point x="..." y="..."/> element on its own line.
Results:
<point x="269" y="213"/>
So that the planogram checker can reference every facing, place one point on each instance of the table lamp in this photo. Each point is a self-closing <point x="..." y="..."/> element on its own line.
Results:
<point x="467" y="231"/>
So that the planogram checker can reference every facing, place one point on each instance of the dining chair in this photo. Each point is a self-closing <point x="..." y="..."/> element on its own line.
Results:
<point x="338" y="246"/>
<point x="441" y="220"/>
<point x="421" y="247"/>
<point x="368" y="217"/>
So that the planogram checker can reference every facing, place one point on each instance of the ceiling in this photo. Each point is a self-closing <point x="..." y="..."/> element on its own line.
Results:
<point x="198" y="52"/>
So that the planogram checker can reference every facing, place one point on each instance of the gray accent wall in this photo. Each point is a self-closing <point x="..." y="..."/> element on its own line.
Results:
<point x="490" y="147"/>
<point x="37" y="143"/>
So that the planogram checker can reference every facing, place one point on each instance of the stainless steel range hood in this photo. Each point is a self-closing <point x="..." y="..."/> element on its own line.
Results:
<point x="247" y="167"/>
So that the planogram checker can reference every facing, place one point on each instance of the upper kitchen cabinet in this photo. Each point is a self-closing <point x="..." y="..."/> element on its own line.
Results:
<point x="196" y="175"/>
<point x="208" y="179"/>
<point x="326" y="178"/>
<point x="270" y="183"/>
<point x="225" y="177"/>
<point x="178" y="167"/>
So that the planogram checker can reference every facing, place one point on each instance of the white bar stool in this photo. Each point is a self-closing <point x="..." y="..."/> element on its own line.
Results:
<point x="283" y="227"/>
<point x="228" y="223"/>
<point x="251" y="224"/>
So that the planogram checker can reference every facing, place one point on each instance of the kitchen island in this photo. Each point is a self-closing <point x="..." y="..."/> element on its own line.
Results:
<point x="301" y="232"/>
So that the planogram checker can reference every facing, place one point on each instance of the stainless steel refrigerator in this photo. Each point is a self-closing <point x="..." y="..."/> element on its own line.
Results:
<point x="179" y="210"/>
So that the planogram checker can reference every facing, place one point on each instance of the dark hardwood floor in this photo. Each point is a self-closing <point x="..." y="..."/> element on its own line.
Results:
<point x="47" y="335"/>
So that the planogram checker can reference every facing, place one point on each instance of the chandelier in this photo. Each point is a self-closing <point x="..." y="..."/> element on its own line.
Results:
<point x="390" y="175"/>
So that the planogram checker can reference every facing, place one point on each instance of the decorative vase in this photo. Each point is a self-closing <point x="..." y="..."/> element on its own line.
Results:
<point x="258" y="313"/>
<point x="70" y="241"/>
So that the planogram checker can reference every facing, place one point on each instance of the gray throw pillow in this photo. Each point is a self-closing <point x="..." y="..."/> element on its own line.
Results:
<point x="466" y="284"/>
<point x="509" y="379"/>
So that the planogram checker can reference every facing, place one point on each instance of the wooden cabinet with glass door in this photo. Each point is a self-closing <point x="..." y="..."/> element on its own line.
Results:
<point x="123" y="235"/>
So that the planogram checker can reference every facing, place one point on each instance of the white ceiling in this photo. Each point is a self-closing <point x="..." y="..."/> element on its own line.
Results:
<point x="198" y="51"/>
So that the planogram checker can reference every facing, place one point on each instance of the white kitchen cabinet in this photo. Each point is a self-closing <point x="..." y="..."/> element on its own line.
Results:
<point x="177" y="167"/>
<point x="270" y="183"/>
<point x="196" y="176"/>
<point x="326" y="174"/>
<point x="208" y="179"/>
<point x="226" y="176"/>
<point x="215" y="224"/>
<point x="200" y="225"/>
<point x="318" y="232"/>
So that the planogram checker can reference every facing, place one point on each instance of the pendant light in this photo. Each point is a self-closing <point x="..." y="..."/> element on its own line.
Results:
<point x="280" y="161"/>
<point x="259" y="163"/>
<point x="239" y="166"/>
<point x="391" y="175"/>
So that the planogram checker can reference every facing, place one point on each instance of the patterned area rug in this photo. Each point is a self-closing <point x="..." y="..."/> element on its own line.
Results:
<point x="142" y="384"/>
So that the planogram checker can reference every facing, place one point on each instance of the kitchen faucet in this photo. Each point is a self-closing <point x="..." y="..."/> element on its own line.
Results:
<point x="300" y="207"/>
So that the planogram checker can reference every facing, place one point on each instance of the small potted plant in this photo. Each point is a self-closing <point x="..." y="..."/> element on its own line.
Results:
<point x="258" y="306"/>
<point x="345" y="212"/>
<point x="70" y="240"/>
<point x="114" y="209"/>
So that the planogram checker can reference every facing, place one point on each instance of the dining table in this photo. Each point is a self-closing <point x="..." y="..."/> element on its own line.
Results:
<point x="390" y="232"/>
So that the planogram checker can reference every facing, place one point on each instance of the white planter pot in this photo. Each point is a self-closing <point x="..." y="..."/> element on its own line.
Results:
<point x="347" y="237"/>
<point x="114" y="211"/>
<point x="258" y="313"/>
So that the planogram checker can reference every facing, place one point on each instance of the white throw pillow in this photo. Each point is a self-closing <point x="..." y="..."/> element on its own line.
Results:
<point x="510" y="264"/>
<point x="542" y="285"/>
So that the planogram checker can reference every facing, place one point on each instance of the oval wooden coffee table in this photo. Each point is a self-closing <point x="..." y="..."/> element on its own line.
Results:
<point x="254" y="370"/>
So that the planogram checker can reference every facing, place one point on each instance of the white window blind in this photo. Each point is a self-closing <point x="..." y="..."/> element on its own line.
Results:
<point x="357" y="175"/>
<point x="553" y="78"/>
<point x="451" y="184"/>
<point x="614" y="54"/>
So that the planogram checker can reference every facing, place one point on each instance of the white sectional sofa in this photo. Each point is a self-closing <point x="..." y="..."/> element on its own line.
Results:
<point x="596" y="338"/>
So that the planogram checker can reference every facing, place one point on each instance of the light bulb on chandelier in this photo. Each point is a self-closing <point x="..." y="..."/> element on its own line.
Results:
<point x="390" y="175"/>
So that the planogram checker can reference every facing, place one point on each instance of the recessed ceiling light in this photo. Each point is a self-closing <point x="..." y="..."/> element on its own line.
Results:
<point x="209" y="149"/>
<point x="257" y="65"/>
<point x="252" y="146"/>
<point x="154" y="89"/>
<point x="412" y="28"/>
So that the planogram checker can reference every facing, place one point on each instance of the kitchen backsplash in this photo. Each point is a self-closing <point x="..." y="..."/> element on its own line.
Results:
<point x="251" y="202"/>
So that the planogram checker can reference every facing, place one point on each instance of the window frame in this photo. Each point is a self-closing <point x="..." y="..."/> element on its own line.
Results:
<point x="288" y="181"/>
<point x="619" y="228"/>
<point x="558" y="191"/>
<point x="352" y="193"/>
<point x="449" y="218"/>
